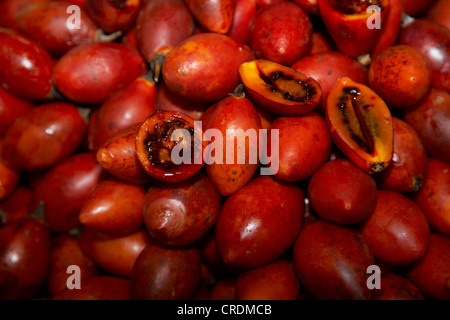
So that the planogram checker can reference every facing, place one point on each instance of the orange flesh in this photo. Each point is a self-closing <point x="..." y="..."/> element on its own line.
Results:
<point x="278" y="83"/>
<point x="160" y="144"/>
<point x="362" y="122"/>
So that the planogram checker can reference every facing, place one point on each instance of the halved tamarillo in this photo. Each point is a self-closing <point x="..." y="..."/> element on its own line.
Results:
<point x="280" y="89"/>
<point x="361" y="125"/>
<point x="169" y="146"/>
<point x="348" y="23"/>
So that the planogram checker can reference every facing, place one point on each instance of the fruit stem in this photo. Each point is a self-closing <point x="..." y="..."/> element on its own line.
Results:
<point x="156" y="66"/>
<point x="3" y="217"/>
<point x="407" y="20"/>
<point x="238" y="92"/>
<point x="101" y="36"/>
<point x="39" y="212"/>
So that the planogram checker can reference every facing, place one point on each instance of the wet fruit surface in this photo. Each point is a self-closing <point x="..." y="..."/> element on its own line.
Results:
<point x="217" y="150"/>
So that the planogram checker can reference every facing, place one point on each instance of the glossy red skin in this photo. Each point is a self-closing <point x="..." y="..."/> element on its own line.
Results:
<point x="114" y="207"/>
<point x="327" y="67"/>
<point x="9" y="178"/>
<point x="9" y="10"/>
<point x="161" y="25"/>
<point x="224" y="289"/>
<point x="310" y="6"/>
<point x="25" y="67"/>
<point x="400" y="75"/>
<point x="167" y="100"/>
<point x="331" y="262"/>
<point x="397" y="231"/>
<point x="274" y="100"/>
<point x="24" y="253"/>
<point x="118" y="157"/>
<point x="395" y="287"/>
<point x="352" y="36"/>
<point x="341" y="193"/>
<point x="415" y="7"/>
<point x="430" y="118"/>
<point x="259" y="223"/>
<point x="98" y="288"/>
<point x="280" y="32"/>
<point x="46" y="23"/>
<point x="11" y="107"/>
<point x="181" y="213"/>
<point x="65" y="188"/>
<point x="408" y="167"/>
<point x="244" y="12"/>
<point x="214" y="16"/>
<point x="179" y="172"/>
<point x="131" y="105"/>
<point x="263" y="3"/>
<point x="433" y="41"/>
<point x="320" y="43"/>
<point x="228" y="114"/>
<point x="210" y="64"/>
<point x="211" y="256"/>
<point x="112" y="16"/>
<point x="390" y="28"/>
<point x="92" y="72"/>
<point x="431" y="273"/>
<point x="304" y="145"/>
<point x="130" y="39"/>
<point x="16" y="205"/>
<point x="166" y="273"/>
<point x="274" y="281"/>
<point x="44" y="136"/>
<point x="115" y="254"/>
<point x="65" y="252"/>
<point x="434" y="196"/>
<point x="80" y="3"/>
<point x="439" y="12"/>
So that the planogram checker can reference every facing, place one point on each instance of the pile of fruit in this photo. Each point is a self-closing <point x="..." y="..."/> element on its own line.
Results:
<point x="225" y="150"/>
